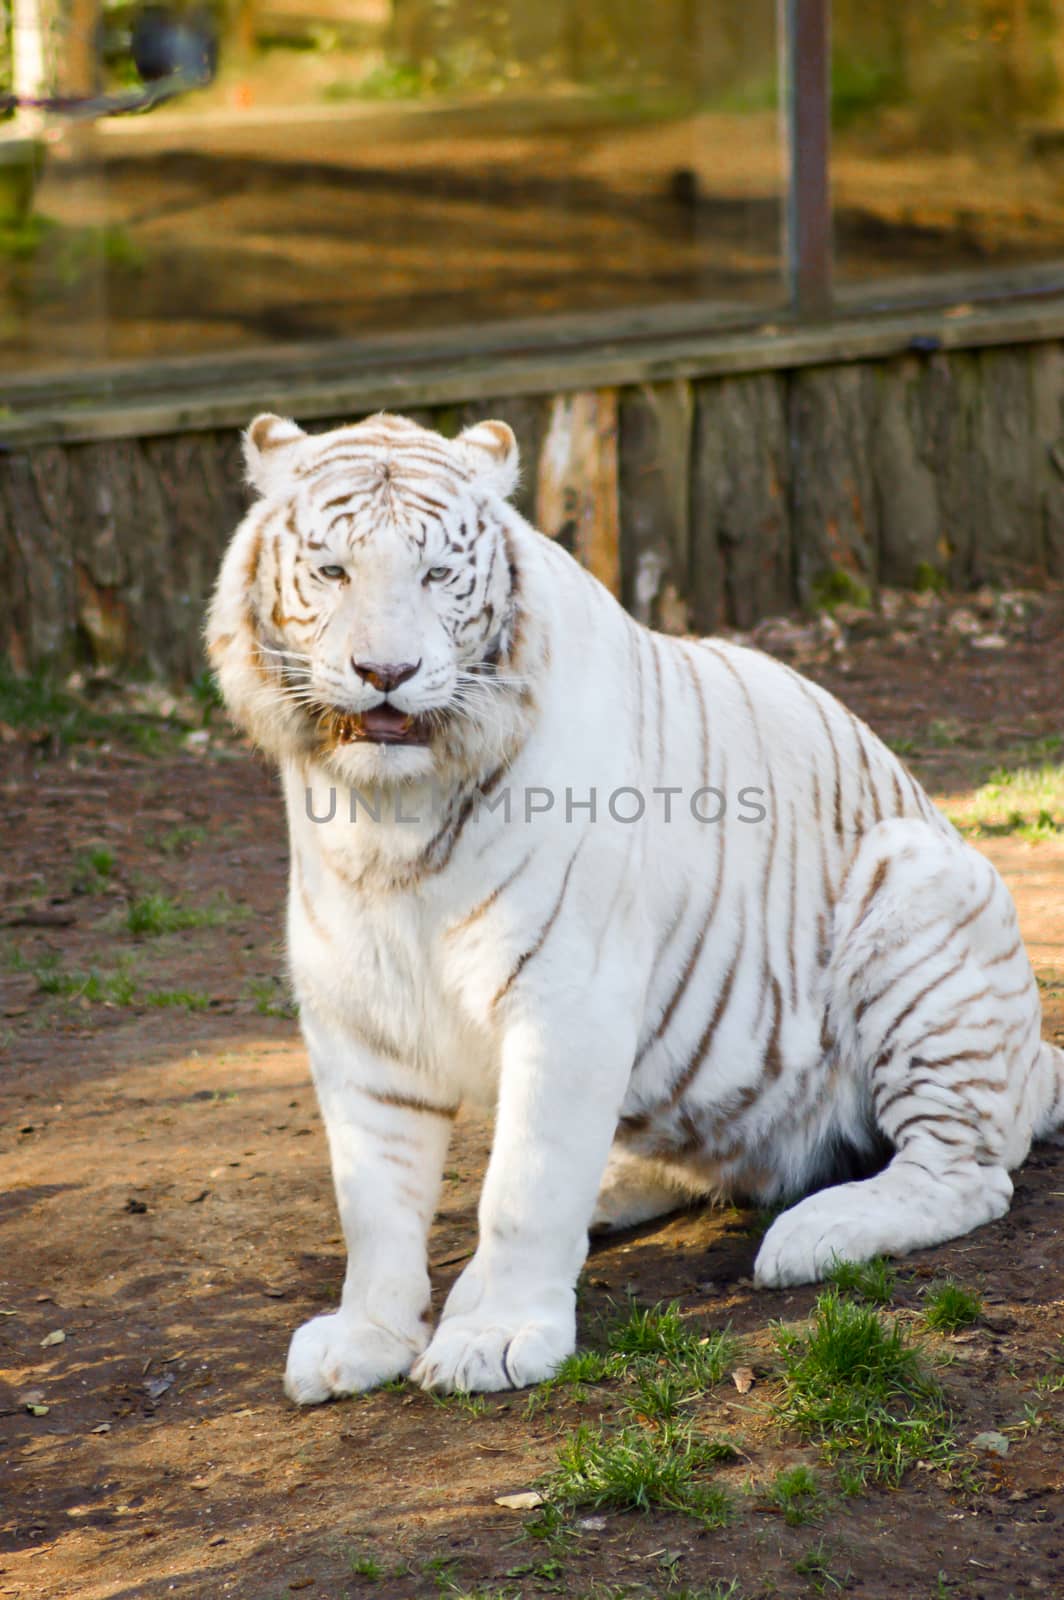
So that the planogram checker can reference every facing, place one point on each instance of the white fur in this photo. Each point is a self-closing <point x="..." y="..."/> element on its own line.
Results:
<point x="732" y="1002"/>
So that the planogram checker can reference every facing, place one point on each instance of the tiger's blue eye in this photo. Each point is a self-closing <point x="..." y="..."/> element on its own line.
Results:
<point x="331" y="572"/>
<point x="438" y="574"/>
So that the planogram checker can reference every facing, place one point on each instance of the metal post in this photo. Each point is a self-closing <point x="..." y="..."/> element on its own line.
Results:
<point x="805" y="82"/>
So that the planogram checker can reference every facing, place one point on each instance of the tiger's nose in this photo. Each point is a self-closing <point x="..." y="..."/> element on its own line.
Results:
<point x="385" y="676"/>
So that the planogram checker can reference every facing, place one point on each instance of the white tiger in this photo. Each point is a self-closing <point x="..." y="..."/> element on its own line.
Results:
<point x="661" y="1008"/>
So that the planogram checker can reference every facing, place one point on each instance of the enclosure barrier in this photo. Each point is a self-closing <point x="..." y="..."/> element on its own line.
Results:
<point x="705" y="480"/>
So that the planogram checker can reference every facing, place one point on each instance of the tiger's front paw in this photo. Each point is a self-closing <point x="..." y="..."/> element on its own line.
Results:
<point x="483" y="1353"/>
<point x="341" y="1354"/>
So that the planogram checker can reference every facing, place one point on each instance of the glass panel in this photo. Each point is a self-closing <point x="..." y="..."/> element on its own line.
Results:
<point x="948" y="149"/>
<point x="368" y="167"/>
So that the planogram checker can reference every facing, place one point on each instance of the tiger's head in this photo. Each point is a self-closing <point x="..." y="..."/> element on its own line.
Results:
<point x="366" y="611"/>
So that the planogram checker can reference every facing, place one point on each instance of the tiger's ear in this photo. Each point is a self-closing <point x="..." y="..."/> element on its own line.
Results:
<point x="491" y="450"/>
<point x="270" y="446"/>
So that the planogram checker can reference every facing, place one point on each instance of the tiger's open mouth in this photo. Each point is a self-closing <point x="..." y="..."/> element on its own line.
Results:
<point x="383" y="724"/>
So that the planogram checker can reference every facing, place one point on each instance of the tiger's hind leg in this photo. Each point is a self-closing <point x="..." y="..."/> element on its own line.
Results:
<point x="935" y="1015"/>
<point x="635" y="1190"/>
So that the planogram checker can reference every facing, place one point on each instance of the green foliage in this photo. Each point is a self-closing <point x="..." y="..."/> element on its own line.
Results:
<point x="815" y="1565"/>
<point x="1023" y="801"/>
<point x="155" y="914"/>
<point x="861" y="84"/>
<point x="857" y="1387"/>
<point x="797" y="1495"/>
<point x="659" y="1334"/>
<point x="52" y="714"/>
<point x="92" y="870"/>
<point x="949" y="1307"/>
<point x="837" y="587"/>
<point x="869" y="1280"/>
<point x="271" y="999"/>
<point x="638" y="1469"/>
<point x="928" y="579"/>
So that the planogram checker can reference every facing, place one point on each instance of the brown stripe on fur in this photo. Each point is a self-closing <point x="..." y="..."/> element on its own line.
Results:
<point x="659" y="696"/>
<point x="533" y="950"/>
<point x="766" y="881"/>
<point x="975" y="914"/>
<point x="921" y="960"/>
<point x="408" y="1102"/>
<point x="879" y="877"/>
<point x="251" y="566"/>
<point x="957" y="1020"/>
<point x="792" y="913"/>
<point x="743" y="690"/>
<point x="489" y="900"/>
<point x="1006" y="955"/>
<point x="837" y="796"/>
<point x="703" y="723"/>
<point x="866" y="767"/>
<point x="687" y="1076"/>
<point x="928" y="1121"/>
<point x="693" y="956"/>
<point x="772" y="1060"/>
<point x="943" y="977"/>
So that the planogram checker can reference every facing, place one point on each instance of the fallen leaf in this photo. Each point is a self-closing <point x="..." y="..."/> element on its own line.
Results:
<point x="57" y="1336"/>
<point x="995" y="1443"/>
<point x="156" y="1387"/>
<point x="199" y="1484"/>
<point x="743" y="1379"/>
<point x="37" y="1411"/>
<point x="526" y="1501"/>
<point x="301" y="1583"/>
<point x="101" y="1427"/>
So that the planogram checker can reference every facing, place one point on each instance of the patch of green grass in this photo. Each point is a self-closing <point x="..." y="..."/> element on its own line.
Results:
<point x="658" y="1334"/>
<point x="102" y="988"/>
<point x="869" y="1280"/>
<point x="948" y="1306"/>
<point x="550" y="1525"/>
<point x="53" y="714"/>
<point x="271" y="999"/>
<point x="1052" y="1382"/>
<point x="365" y="1566"/>
<point x="473" y="1405"/>
<point x="815" y="1565"/>
<point x="182" y="999"/>
<point x="1024" y="801"/>
<point x="389" y="81"/>
<point x="176" y="841"/>
<point x="92" y="870"/>
<point x="928" y="579"/>
<point x="587" y="1366"/>
<point x="797" y="1495"/>
<point x="155" y="914"/>
<point x="635" y="1468"/>
<point x="855" y="1385"/>
<point x="837" y="587"/>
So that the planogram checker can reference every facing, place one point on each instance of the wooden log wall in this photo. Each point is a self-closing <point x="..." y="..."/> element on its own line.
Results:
<point x="720" y="500"/>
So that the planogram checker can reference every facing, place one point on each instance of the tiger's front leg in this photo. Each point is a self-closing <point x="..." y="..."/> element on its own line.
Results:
<point x="510" y="1319"/>
<point x="387" y="1140"/>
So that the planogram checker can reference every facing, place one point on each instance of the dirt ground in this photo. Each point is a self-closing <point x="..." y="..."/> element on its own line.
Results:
<point x="167" y="1208"/>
